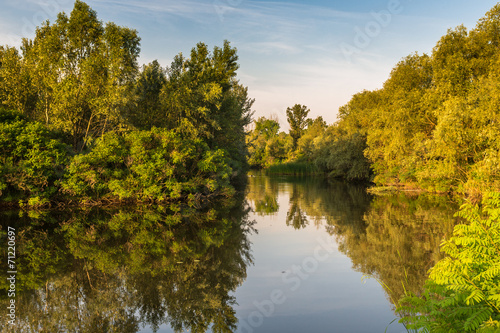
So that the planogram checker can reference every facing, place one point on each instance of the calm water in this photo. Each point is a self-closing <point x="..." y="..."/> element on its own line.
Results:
<point x="292" y="255"/>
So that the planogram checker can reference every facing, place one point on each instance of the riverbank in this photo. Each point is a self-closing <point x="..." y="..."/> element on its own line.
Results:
<point x="138" y="166"/>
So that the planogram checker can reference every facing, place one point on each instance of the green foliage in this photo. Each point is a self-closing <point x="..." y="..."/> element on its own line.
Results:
<point x="154" y="165"/>
<point x="74" y="76"/>
<point x="312" y="138"/>
<point x="266" y="145"/>
<point x="462" y="293"/>
<point x="292" y="168"/>
<point x="297" y="119"/>
<point x="146" y="110"/>
<point x="203" y="99"/>
<point x="343" y="158"/>
<point x="433" y="124"/>
<point x="336" y="150"/>
<point x="31" y="159"/>
<point x="153" y="135"/>
<point x="16" y="90"/>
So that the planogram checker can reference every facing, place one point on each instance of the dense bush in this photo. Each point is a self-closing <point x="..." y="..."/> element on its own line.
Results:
<point x="157" y="165"/>
<point x="31" y="159"/>
<point x="151" y="165"/>
<point x="343" y="158"/>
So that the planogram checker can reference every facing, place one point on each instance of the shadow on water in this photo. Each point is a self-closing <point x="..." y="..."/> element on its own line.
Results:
<point x="120" y="270"/>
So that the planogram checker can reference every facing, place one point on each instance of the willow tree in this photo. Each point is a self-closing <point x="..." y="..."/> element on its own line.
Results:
<point x="402" y="122"/>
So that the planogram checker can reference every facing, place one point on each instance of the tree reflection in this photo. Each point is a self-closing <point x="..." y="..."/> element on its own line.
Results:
<point x="295" y="216"/>
<point x="401" y="242"/>
<point x="263" y="194"/>
<point x="394" y="238"/>
<point x="119" y="270"/>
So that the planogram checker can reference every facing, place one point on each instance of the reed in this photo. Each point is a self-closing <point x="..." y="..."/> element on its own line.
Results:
<point x="293" y="168"/>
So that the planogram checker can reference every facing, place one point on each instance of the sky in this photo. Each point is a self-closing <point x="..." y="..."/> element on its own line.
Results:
<point x="316" y="53"/>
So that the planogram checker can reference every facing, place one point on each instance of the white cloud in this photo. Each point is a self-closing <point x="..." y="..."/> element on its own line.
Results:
<point x="195" y="11"/>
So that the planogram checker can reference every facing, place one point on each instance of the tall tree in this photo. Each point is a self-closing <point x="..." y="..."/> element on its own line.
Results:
<point x="16" y="89"/>
<point x="80" y="72"/>
<point x="203" y="99"/>
<point x="146" y="110"/>
<point x="297" y="119"/>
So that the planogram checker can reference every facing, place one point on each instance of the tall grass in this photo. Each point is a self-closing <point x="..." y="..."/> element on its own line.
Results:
<point x="293" y="168"/>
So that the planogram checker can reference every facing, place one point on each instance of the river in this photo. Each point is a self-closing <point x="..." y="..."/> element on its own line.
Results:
<point x="291" y="254"/>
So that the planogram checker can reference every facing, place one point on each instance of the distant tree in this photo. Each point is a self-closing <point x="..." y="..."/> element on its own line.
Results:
<point x="297" y="119"/>
<point x="312" y="137"/>
<point x="266" y="127"/>
<point x="266" y="145"/>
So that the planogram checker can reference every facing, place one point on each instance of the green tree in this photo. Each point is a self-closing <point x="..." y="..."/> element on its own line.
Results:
<point x="358" y="114"/>
<point x="266" y="145"/>
<point x="81" y="72"/>
<point x="342" y="157"/>
<point x="203" y="99"/>
<point x="16" y="88"/>
<point x="297" y="119"/>
<point x="402" y="123"/>
<point x="147" y="110"/>
<point x="312" y="137"/>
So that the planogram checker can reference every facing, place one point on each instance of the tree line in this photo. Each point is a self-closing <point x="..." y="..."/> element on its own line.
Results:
<point x="80" y="119"/>
<point x="433" y="125"/>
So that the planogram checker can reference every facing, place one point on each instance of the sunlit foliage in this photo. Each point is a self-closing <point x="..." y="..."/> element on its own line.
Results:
<point x="154" y="165"/>
<point x="150" y="134"/>
<point x="434" y="124"/>
<point x="31" y="160"/>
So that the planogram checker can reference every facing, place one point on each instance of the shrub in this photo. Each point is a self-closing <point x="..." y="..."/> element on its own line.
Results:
<point x="31" y="159"/>
<point x="151" y="165"/>
<point x="343" y="158"/>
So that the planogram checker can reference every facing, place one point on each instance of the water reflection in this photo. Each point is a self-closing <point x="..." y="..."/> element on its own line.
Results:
<point x="120" y="270"/>
<point x="402" y="238"/>
<point x="394" y="238"/>
<point x="124" y="269"/>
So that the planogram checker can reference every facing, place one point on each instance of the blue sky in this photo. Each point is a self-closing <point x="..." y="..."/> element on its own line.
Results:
<point x="317" y="53"/>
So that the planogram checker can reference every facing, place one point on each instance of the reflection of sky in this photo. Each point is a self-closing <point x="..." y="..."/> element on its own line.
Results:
<point x="332" y="298"/>
<point x="290" y="51"/>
